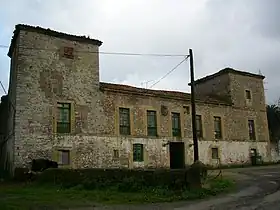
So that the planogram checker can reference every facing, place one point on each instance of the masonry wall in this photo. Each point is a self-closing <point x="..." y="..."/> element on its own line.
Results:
<point x="216" y="86"/>
<point x="44" y="77"/>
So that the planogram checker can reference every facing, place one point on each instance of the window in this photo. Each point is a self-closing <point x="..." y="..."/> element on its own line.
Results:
<point x="63" y="118"/>
<point x="124" y="121"/>
<point x="176" y="125"/>
<point x="152" y="123"/>
<point x="199" y="126"/>
<point x="64" y="157"/>
<point x="138" y="155"/>
<point x="187" y="109"/>
<point x="252" y="134"/>
<point x="218" y="127"/>
<point x="215" y="153"/>
<point x="248" y="94"/>
<point x="68" y="52"/>
<point x="116" y="153"/>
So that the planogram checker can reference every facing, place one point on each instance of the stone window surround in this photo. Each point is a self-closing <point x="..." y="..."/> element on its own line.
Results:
<point x="140" y="159"/>
<point x="211" y="146"/>
<point x="60" y="153"/>
<point x="201" y="124"/>
<point x="127" y="114"/>
<point x="116" y="153"/>
<point x="156" y="121"/>
<point x="180" y="121"/>
<point x="248" y="90"/>
<point x="72" y="116"/>
<point x="117" y="119"/>
<point x="56" y="154"/>
<point x="248" y="101"/>
<point x="222" y="134"/>
<point x="158" y="115"/>
<point x="255" y="128"/>
<point x="62" y="107"/>
<point x="216" y="149"/>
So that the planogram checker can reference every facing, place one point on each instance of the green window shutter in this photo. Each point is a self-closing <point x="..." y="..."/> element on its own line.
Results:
<point x="138" y="153"/>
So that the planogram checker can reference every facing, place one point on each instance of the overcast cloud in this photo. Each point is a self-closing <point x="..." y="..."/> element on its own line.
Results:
<point x="242" y="34"/>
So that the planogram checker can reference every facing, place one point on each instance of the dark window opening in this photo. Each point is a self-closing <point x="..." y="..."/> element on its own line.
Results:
<point x="248" y="94"/>
<point x="116" y="153"/>
<point x="252" y="133"/>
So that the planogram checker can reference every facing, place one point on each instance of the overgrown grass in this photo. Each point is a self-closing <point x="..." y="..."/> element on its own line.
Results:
<point x="30" y="196"/>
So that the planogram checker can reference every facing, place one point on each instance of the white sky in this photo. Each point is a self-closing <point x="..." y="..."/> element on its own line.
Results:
<point x="244" y="35"/>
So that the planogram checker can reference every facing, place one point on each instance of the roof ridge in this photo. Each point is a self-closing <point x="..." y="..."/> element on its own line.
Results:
<point x="50" y="32"/>
<point x="177" y="95"/>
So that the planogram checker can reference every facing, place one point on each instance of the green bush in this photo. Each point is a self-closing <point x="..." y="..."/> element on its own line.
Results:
<point x="124" y="180"/>
<point x="21" y="174"/>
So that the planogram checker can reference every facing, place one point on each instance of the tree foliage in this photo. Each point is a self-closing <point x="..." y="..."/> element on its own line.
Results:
<point x="273" y="117"/>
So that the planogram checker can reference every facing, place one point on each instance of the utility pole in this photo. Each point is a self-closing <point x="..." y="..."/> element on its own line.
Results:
<point x="195" y="143"/>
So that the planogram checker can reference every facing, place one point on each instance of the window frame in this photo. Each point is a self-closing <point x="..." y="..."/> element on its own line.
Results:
<point x="138" y="152"/>
<point x="215" y="157"/>
<point x="218" y="134"/>
<point x="252" y="136"/>
<point x="68" y="52"/>
<point x="60" y="152"/>
<point x="199" y="133"/>
<point x="152" y="130"/>
<point x="248" y="93"/>
<point x="60" y="124"/>
<point x="116" y="153"/>
<point x="176" y="132"/>
<point x="122" y="127"/>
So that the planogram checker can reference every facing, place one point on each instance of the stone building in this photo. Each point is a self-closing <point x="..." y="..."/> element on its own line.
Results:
<point x="63" y="112"/>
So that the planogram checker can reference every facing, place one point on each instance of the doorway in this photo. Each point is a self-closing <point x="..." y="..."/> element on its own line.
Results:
<point x="177" y="155"/>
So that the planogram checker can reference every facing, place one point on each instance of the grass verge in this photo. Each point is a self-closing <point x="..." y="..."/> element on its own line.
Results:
<point x="30" y="196"/>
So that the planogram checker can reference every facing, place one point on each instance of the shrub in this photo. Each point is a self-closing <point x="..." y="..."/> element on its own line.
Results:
<point x="21" y="174"/>
<point x="122" y="179"/>
<point x="42" y="164"/>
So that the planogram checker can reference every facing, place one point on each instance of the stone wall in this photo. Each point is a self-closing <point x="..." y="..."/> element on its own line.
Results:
<point x="96" y="151"/>
<point x="43" y="77"/>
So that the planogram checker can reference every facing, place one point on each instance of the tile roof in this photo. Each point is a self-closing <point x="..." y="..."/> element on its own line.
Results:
<point x="226" y="71"/>
<point x="176" y="95"/>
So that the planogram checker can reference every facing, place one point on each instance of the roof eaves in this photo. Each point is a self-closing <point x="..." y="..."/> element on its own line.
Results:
<point x="49" y="32"/>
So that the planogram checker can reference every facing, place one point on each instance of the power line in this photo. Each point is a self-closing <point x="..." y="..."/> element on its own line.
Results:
<point x="3" y="87"/>
<point x="107" y="53"/>
<point x="169" y="72"/>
